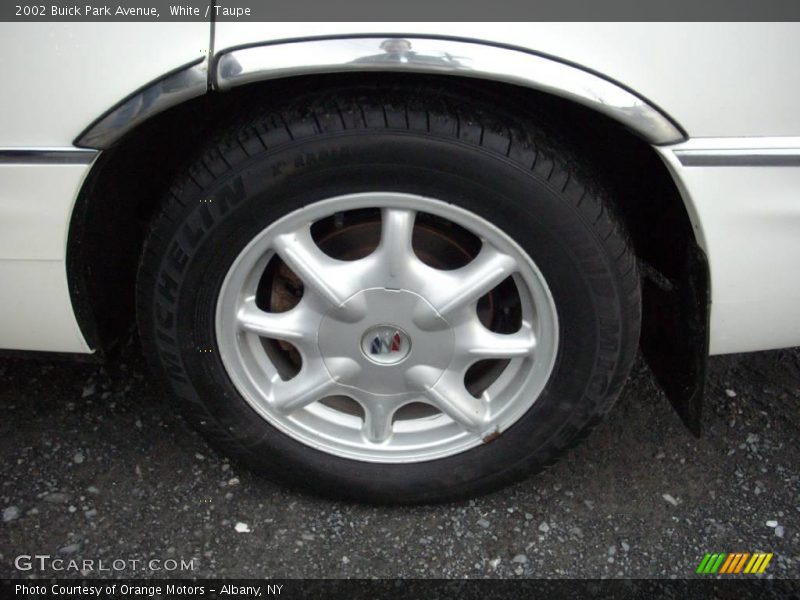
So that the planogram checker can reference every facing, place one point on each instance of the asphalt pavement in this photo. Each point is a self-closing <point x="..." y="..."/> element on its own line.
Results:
<point x="97" y="465"/>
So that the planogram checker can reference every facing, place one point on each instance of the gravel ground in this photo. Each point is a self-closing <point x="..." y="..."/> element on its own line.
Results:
<point x="96" y="465"/>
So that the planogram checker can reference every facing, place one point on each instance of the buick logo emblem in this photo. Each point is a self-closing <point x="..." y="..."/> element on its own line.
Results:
<point x="385" y="344"/>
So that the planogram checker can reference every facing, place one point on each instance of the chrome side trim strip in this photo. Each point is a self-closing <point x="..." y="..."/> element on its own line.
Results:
<point x="47" y="156"/>
<point x="164" y="93"/>
<point x="448" y="57"/>
<point x="740" y="157"/>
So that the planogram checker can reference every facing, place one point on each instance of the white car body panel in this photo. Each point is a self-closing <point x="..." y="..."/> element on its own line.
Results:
<point x="714" y="79"/>
<point x="731" y="86"/>
<point x="750" y="221"/>
<point x="66" y="75"/>
<point x="35" y="206"/>
<point x="62" y="77"/>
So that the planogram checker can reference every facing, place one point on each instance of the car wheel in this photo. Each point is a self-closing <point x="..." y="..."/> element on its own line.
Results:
<point x="391" y="296"/>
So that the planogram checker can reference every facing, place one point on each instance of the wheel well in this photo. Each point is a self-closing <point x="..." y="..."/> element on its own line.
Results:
<point x="127" y="182"/>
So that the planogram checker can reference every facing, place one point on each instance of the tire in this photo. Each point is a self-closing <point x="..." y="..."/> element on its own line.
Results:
<point x="502" y="212"/>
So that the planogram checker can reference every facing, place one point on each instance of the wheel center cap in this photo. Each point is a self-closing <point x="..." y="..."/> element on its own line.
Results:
<point x="384" y="337"/>
<point x="385" y="344"/>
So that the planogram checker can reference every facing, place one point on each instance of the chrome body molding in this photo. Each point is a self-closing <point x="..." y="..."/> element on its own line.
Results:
<point x="47" y="156"/>
<point x="740" y="157"/>
<point x="449" y="57"/>
<point x="182" y="85"/>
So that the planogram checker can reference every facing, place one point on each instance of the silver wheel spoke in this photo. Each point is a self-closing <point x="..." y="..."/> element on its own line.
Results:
<point x="312" y="383"/>
<point x="455" y="289"/>
<point x="295" y="325"/>
<point x="331" y="279"/>
<point x="481" y="343"/>
<point x="449" y="395"/>
<point x="397" y="228"/>
<point x="458" y="404"/>
<point x="378" y="419"/>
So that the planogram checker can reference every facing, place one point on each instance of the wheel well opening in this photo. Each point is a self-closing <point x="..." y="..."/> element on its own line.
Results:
<point x="128" y="181"/>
